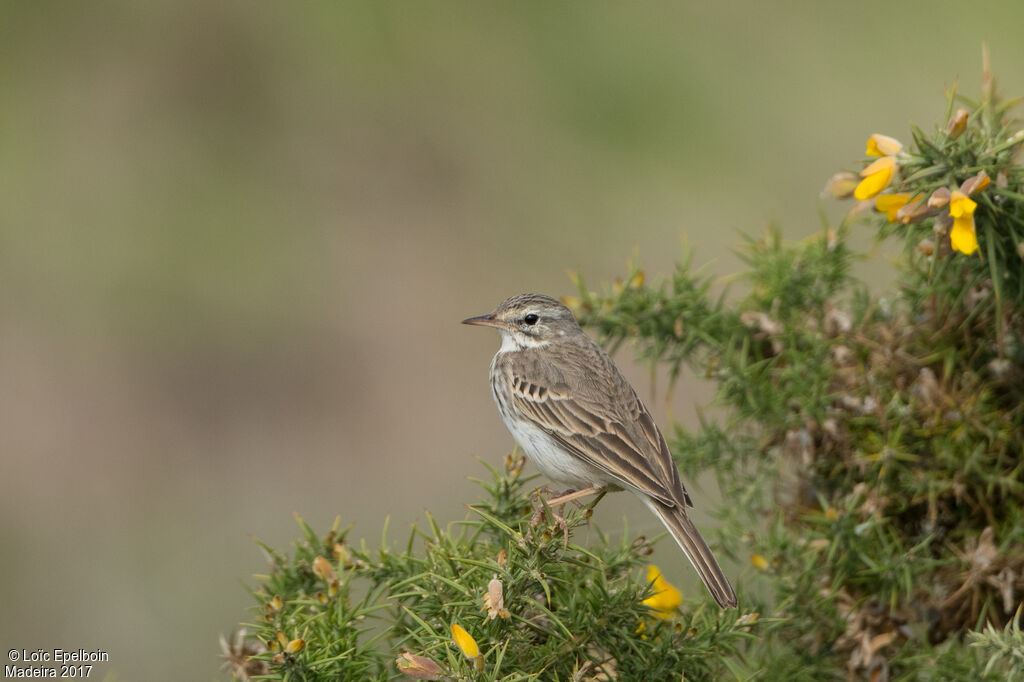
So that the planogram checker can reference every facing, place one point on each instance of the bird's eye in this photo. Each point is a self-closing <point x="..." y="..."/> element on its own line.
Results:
<point x="531" y="318"/>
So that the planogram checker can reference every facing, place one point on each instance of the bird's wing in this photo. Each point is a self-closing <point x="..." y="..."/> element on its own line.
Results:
<point x="612" y="430"/>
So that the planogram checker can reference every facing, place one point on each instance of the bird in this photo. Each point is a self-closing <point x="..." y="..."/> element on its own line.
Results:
<point x="582" y="424"/>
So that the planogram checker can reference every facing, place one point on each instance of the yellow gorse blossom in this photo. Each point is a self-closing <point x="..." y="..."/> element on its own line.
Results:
<point x="879" y="174"/>
<point x="666" y="597"/>
<point x="890" y="204"/>
<point x="961" y="205"/>
<point x="953" y="206"/>
<point x="963" y="236"/>
<point x="465" y="641"/>
<point x="883" y="145"/>
<point x="748" y="619"/>
<point x="876" y="177"/>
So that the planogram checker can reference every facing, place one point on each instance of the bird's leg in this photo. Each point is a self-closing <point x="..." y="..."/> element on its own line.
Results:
<point x="566" y="496"/>
<point x="537" y="502"/>
<point x="542" y="509"/>
<point x="600" y="496"/>
<point x="570" y="495"/>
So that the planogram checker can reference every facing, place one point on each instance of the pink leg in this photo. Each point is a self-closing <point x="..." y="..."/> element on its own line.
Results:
<point x="575" y="495"/>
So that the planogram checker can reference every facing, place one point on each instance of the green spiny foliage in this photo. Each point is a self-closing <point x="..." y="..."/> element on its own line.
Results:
<point x="1005" y="648"/>
<point x="331" y="611"/>
<point x="879" y="438"/>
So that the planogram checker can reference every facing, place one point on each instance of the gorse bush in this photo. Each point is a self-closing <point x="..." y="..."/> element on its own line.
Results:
<point x="503" y="595"/>
<point x="880" y="438"/>
<point x="871" y="451"/>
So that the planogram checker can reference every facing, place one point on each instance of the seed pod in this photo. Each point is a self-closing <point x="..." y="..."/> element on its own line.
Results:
<point x="418" y="667"/>
<point x="939" y="198"/>
<point x="957" y="124"/>
<point x="975" y="183"/>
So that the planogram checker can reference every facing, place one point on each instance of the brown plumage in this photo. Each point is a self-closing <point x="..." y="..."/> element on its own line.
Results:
<point x="581" y="422"/>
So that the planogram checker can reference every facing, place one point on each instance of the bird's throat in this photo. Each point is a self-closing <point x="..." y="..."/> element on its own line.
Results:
<point x="511" y="341"/>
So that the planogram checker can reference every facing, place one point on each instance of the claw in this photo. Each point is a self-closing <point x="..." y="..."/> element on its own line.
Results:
<point x="542" y="506"/>
<point x="560" y="523"/>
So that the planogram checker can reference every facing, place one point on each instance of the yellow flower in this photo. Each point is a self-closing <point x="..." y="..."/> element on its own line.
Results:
<point x="465" y="641"/>
<point x="963" y="236"/>
<point x="666" y="598"/>
<point x="883" y="145"/>
<point x="960" y="205"/>
<point x="748" y="619"/>
<point x="877" y="177"/>
<point x="890" y="204"/>
<point x="759" y="562"/>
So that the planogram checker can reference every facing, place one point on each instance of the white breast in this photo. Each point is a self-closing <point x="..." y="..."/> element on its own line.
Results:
<point x="553" y="460"/>
<point x="550" y="457"/>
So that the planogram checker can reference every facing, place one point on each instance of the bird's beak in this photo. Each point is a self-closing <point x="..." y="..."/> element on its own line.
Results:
<point x="487" y="320"/>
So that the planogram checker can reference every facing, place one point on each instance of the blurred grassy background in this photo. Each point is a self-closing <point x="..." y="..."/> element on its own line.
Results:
<point x="236" y="240"/>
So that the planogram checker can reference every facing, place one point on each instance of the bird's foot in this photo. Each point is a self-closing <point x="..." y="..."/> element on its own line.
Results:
<point x="542" y="508"/>
<point x="539" y="506"/>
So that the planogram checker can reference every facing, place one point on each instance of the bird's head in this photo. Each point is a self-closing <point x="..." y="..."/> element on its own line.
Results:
<point x="529" y="321"/>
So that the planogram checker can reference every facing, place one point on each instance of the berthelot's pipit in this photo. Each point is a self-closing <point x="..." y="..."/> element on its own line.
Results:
<point x="581" y="423"/>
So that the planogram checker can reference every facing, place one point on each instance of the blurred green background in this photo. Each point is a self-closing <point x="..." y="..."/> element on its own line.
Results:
<point x="236" y="240"/>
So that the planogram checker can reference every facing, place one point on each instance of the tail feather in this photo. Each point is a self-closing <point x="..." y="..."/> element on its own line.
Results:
<point x="696" y="550"/>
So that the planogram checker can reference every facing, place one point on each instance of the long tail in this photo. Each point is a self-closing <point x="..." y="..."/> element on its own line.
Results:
<point x="697" y="551"/>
